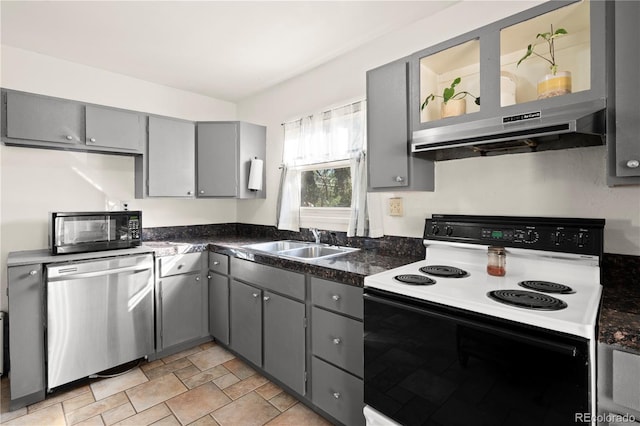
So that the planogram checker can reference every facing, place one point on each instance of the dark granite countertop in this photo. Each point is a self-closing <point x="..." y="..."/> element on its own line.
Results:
<point x="619" y="323"/>
<point x="350" y="268"/>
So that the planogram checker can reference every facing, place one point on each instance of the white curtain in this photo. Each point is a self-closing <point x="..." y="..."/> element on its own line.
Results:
<point x="338" y="134"/>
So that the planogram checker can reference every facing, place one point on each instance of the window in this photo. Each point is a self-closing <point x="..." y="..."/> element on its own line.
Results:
<point x="324" y="175"/>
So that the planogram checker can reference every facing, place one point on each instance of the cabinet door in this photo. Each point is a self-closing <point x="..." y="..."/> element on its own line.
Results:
<point x="627" y="90"/>
<point x="246" y="321"/>
<point x="217" y="159"/>
<point x="387" y="126"/>
<point x="284" y="340"/>
<point x="171" y="155"/>
<point x="35" y="118"/>
<point x="219" y="307"/>
<point x="182" y="313"/>
<point x="26" y="332"/>
<point x="111" y="128"/>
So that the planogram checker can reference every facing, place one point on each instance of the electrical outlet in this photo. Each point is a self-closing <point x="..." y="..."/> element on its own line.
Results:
<point x="395" y="206"/>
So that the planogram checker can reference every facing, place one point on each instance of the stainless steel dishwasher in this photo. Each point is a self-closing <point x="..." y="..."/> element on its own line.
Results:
<point x="99" y="315"/>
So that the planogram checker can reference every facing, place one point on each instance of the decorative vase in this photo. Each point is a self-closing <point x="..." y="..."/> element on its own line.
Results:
<point x="554" y="85"/>
<point x="453" y="107"/>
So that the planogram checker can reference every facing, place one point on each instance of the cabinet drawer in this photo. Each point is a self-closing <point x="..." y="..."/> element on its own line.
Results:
<point x="338" y="393"/>
<point x="338" y="339"/>
<point x="337" y="297"/>
<point x="180" y="264"/>
<point x="626" y="379"/>
<point x="279" y="280"/>
<point x="219" y="263"/>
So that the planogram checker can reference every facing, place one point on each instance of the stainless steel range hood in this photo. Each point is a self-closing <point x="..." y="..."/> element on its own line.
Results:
<point x="563" y="127"/>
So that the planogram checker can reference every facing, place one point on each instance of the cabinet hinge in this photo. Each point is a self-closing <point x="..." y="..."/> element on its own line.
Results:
<point x="304" y="322"/>
<point x="305" y="376"/>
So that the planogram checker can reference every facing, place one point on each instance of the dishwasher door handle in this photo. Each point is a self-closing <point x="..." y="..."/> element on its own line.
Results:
<point x="112" y="271"/>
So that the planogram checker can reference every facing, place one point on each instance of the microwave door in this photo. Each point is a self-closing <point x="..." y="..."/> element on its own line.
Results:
<point x="81" y="230"/>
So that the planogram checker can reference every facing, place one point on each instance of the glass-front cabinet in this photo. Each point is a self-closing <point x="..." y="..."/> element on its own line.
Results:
<point x="547" y="57"/>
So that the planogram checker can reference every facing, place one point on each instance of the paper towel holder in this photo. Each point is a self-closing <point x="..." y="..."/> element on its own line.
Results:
<point x="254" y="183"/>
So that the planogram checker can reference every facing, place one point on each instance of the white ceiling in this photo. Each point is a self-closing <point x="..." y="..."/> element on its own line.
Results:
<point x="228" y="50"/>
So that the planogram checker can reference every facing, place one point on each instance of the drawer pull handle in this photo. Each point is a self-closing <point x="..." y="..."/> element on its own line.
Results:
<point x="255" y="295"/>
<point x="266" y="298"/>
<point x="198" y="278"/>
<point x="69" y="137"/>
<point x="180" y="266"/>
<point x="336" y="297"/>
<point x="337" y="341"/>
<point x="216" y="263"/>
<point x="336" y="395"/>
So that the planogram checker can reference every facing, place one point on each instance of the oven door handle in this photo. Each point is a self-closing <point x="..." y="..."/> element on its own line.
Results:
<point x="558" y="347"/>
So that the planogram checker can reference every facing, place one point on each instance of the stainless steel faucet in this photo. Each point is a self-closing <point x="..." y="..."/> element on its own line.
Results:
<point x="316" y="234"/>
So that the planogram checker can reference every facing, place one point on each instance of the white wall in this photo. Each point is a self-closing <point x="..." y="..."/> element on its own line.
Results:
<point x="567" y="183"/>
<point x="34" y="182"/>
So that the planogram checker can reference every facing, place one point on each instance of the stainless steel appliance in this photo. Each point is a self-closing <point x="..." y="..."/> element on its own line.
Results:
<point x="448" y="341"/>
<point x="77" y="232"/>
<point x="99" y="315"/>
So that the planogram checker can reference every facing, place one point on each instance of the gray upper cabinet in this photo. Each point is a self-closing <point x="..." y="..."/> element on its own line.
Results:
<point x="41" y="119"/>
<point x="224" y="152"/>
<point x="390" y="165"/>
<point x="111" y="128"/>
<point x="171" y="158"/>
<point x="284" y="340"/>
<point x="45" y="122"/>
<point x="623" y="138"/>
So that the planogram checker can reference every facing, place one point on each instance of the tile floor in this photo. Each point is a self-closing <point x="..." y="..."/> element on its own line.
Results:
<point x="204" y="385"/>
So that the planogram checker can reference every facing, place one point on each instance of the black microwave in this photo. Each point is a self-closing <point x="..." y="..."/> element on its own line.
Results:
<point x="79" y="232"/>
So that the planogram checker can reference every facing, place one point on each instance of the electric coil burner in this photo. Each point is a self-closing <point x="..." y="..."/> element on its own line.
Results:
<point x="527" y="299"/>
<point x="475" y="332"/>
<point x="413" y="279"/>
<point x="546" y="287"/>
<point x="444" y="271"/>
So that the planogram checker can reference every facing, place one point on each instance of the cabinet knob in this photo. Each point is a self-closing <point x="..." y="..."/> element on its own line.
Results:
<point x="266" y="298"/>
<point x="209" y="277"/>
<point x="180" y="266"/>
<point x="202" y="191"/>
<point x="633" y="164"/>
<point x="34" y="272"/>
<point x="189" y="192"/>
<point x="255" y="295"/>
<point x="336" y="395"/>
<point x="337" y="341"/>
<point x="69" y="137"/>
<point x="336" y="297"/>
<point x="216" y="263"/>
<point x="399" y="179"/>
<point x="92" y="139"/>
<point x="198" y="278"/>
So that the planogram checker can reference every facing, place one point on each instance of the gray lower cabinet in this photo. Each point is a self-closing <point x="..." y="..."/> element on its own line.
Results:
<point x="623" y="130"/>
<point x="618" y="386"/>
<point x="390" y="165"/>
<point x="43" y="119"/>
<point x="26" y="335"/>
<point x="246" y="321"/>
<point x="219" y="307"/>
<point x="170" y="158"/>
<point x="224" y="151"/>
<point x="183" y="304"/>
<point x="338" y="350"/>
<point x="284" y="340"/>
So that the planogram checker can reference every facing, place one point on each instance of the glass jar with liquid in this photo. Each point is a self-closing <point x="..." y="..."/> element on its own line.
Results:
<point x="496" y="261"/>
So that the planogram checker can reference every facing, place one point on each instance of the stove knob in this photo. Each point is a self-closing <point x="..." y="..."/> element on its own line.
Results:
<point x="557" y="237"/>
<point x="530" y="236"/>
<point x="435" y="230"/>
<point x="448" y="230"/>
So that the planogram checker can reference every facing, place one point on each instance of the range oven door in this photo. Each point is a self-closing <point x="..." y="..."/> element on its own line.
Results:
<point x="426" y="363"/>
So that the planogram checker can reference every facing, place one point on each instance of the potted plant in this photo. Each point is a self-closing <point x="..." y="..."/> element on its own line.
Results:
<point x="452" y="103"/>
<point x="557" y="82"/>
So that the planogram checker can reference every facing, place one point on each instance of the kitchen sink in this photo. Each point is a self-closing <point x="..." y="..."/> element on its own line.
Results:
<point x="300" y="250"/>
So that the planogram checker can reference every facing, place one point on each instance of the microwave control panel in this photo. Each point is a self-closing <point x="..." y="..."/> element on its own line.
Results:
<point x="134" y="227"/>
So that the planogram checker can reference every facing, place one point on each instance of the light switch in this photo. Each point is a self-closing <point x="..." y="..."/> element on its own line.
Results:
<point x="395" y="206"/>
